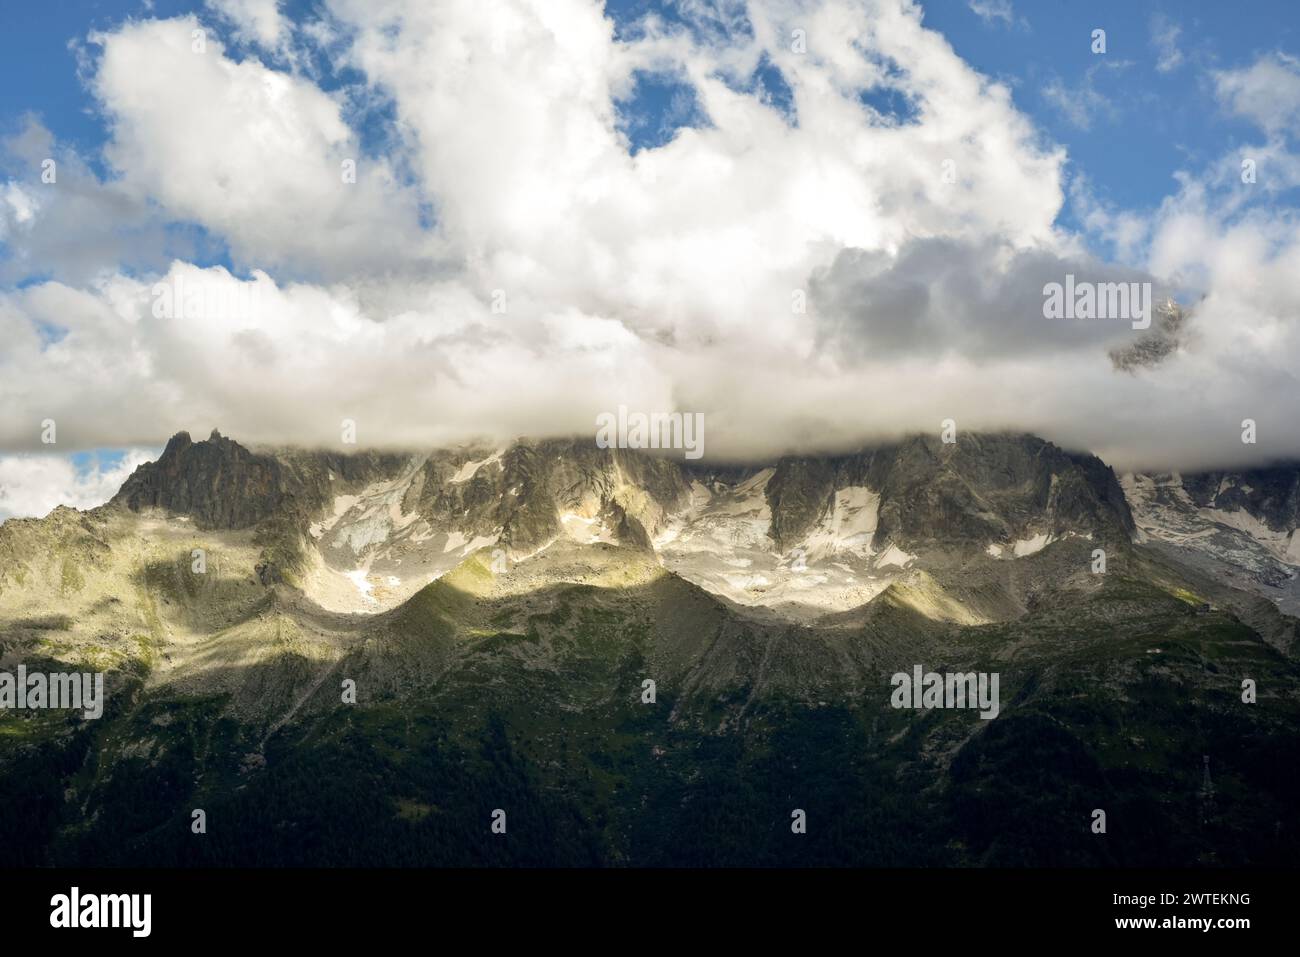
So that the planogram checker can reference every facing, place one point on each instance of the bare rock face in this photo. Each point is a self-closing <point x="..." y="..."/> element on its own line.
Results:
<point x="221" y="484"/>
<point x="218" y="483"/>
<point x="517" y="497"/>
<point x="520" y="494"/>
<point x="1271" y="495"/>
<point x="1238" y="526"/>
<point x="798" y="493"/>
<point x="981" y="489"/>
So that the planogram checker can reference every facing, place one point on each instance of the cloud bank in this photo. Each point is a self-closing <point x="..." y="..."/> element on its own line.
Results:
<point x="464" y="242"/>
<point x="36" y="484"/>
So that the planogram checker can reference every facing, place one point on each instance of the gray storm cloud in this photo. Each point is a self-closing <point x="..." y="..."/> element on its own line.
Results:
<point x="940" y="296"/>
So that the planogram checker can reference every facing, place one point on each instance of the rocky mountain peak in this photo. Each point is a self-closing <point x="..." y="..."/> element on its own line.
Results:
<point x="983" y="489"/>
<point x="395" y="521"/>
<point x="217" y="482"/>
<point x="177" y="444"/>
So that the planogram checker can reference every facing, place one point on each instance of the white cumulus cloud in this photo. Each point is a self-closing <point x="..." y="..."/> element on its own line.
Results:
<point x="507" y="262"/>
<point x="33" y="485"/>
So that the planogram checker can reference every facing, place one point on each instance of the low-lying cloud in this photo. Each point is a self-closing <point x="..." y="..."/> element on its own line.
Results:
<point x="506" y="262"/>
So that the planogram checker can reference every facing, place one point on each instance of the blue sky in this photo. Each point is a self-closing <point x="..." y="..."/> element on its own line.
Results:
<point x="648" y="206"/>
<point x="1147" y="124"/>
<point x="1144" y="125"/>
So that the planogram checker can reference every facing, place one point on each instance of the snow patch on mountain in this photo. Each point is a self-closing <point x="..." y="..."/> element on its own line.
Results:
<point x="587" y="530"/>
<point x="470" y="469"/>
<point x="724" y="521"/>
<point x="721" y="540"/>
<point x="459" y="543"/>
<point x="1032" y="545"/>
<point x="847" y="525"/>
<point x="894" y="556"/>
<point x="1229" y="542"/>
<point x="1164" y="511"/>
<point x="359" y="578"/>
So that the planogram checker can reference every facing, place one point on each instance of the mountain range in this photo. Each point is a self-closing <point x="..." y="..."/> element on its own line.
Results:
<point x="645" y="660"/>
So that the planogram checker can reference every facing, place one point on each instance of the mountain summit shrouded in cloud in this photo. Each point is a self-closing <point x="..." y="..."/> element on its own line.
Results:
<point x="816" y="223"/>
<point x="400" y="643"/>
<point x="649" y="433"/>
